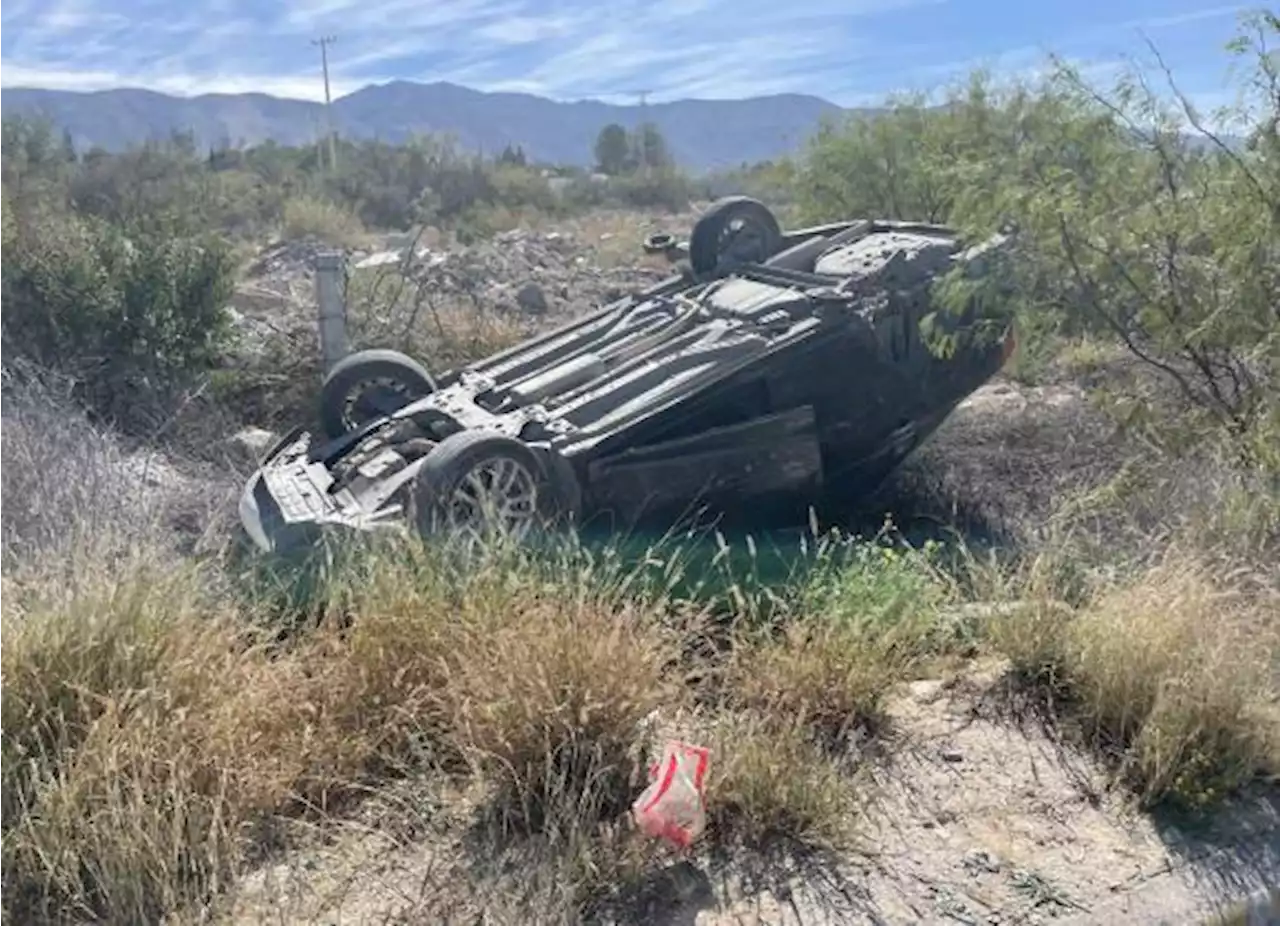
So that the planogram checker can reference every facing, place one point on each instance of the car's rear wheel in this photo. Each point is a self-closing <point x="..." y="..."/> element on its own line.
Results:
<point x="367" y="385"/>
<point x="734" y="230"/>
<point x="482" y="484"/>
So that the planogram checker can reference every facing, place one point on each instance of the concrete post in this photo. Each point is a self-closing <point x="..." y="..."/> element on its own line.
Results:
<point x="329" y="266"/>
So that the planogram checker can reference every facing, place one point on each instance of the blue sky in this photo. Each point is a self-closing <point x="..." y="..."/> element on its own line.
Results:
<point x="849" y="51"/>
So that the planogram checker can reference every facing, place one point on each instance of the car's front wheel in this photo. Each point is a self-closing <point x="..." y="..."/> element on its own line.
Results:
<point x="482" y="484"/>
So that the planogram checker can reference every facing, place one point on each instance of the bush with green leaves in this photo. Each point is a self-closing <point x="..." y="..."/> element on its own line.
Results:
<point x="133" y="314"/>
<point x="1139" y="220"/>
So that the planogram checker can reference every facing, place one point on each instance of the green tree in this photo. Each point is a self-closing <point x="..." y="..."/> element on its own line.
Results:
<point x="650" y="148"/>
<point x="1135" y="220"/>
<point x="512" y="157"/>
<point x="613" y="150"/>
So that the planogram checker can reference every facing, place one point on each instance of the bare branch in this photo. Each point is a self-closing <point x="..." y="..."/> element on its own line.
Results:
<point x="1189" y="111"/>
<point x="1082" y="280"/>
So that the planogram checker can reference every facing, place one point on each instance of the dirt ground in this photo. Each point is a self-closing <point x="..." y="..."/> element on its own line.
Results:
<point x="974" y="814"/>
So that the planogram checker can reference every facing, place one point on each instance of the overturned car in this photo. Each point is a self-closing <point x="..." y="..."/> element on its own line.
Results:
<point x="773" y="372"/>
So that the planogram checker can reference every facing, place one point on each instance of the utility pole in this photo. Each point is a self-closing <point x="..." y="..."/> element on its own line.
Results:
<point x="324" y="42"/>
<point x="643" y="96"/>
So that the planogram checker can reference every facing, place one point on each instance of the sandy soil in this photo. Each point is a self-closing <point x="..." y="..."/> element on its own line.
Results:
<point x="975" y="814"/>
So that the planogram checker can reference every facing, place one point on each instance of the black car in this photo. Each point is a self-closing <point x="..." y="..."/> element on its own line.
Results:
<point x="772" y="372"/>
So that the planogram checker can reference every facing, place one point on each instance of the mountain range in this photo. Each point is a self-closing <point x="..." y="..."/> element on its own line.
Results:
<point x="701" y="134"/>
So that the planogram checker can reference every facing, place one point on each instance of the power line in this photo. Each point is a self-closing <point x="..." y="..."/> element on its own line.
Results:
<point x="324" y="42"/>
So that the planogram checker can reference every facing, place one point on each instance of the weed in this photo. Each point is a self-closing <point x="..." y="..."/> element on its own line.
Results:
<point x="309" y="217"/>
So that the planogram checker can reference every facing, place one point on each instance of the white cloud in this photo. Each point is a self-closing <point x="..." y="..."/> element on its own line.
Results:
<point x="1184" y="18"/>
<point x="303" y="87"/>
<point x="393" y="17"/>
<point x="849" y="50"/>
<point x="521" y="30"/>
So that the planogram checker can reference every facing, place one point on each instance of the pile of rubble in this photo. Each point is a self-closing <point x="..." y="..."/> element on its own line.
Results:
<point x="520" y="271"/>
<point x="528" y="272"/>
<point x="276" y="295"/>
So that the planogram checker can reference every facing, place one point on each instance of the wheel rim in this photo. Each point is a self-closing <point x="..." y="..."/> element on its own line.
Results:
<point x="741" y="241"/>
<point x="373" y="398"/>
<point x="497" y="493"/>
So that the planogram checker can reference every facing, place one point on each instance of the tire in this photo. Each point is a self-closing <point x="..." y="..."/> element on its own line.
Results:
<point x="658" y="243"/>
<point x="445" y="500"/>
<point x="387" y="377"/>
<point x="706" y="244"/>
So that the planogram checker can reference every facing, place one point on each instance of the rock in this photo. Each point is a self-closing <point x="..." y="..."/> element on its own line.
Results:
<point x="926" y="691"/>
<point x="531" y="299"/>
<point x="379" y="259"/>
<point x="253" y="443"/>
<point x="978" y="860"/>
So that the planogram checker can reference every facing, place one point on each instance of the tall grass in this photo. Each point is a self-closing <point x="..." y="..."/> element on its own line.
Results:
<point x="154" y="731"/>
<point x="164" y="715"/>
<point x="1167" y="670"/>
<point x="310" y="217"/>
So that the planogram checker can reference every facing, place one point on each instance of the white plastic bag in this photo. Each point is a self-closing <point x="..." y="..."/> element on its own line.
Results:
<point x="673" y="807"/>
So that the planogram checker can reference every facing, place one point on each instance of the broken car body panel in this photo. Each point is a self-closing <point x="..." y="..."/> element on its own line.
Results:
<point x="769" y="384"/>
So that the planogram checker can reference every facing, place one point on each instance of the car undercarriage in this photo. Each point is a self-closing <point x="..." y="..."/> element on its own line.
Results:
<point x="774" y="370"/>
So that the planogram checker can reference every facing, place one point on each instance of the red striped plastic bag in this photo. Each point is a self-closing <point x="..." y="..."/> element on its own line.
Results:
<point x="673" y="807"/>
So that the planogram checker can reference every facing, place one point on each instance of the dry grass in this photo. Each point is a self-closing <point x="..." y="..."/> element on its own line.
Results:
<point x="446" y="331"/>
<point x="615" y="236"/>
<point x="112" y="807"/>
<point x="1144" y="596"/>
<point x="152" y="737"/>
<point x="159" y="729"/>
<point x="74" y="492"/>
<point x="457" y="335"/>
<point x="772" y="781"/>
<point x="865" y="621"/>
<point x="147" y="733"/>
<point x="1170" y="674"/>
<point x="1177" y="669"/>
<point x="308" y="217"/>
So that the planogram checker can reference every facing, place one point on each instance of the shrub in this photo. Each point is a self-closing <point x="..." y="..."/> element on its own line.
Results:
<point x="862" y="623"/>
<point x="133" y="316"/>
<point x="309" y="217"/>
<point x="1170" y="674"/>
<point x="664" y="187"/>
<point x="1137" y="223"/>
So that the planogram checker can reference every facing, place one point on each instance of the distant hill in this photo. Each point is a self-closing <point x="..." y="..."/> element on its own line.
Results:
<point x="702" y="134"/>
